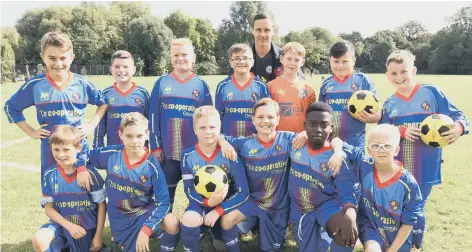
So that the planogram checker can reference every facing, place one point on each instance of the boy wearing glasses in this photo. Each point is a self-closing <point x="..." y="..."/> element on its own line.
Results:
<point x="238" y="93"/>
<point x="390" y="199"/>
<point x="292" y="93"/>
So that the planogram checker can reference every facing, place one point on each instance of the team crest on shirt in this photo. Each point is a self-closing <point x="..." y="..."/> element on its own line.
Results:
<point x="143" y="179"/>
<point x="425" y="106"/>
<point x="44" y="96"/>
<point x="297" y="155"/>
<point x="330" y="88"/>
<point x="138" y="101"/>
<point x="196" y="93"/>
<point x="195" y="167"/>
<point x="354" y="86"/>
<point x="278" y="148"/>
<point x="116" y="168"/>
<point x="394" y="205"/>
<point x="279" y="71"/>
<point x="167" y="90"/>
<point x="229" y="96"/>
<point x="75" y="96"/>
<point x="254" y="96"/>
<point x="269" y="69"/>
<point x="302" y="93"/>
<point x="324" y="167"/>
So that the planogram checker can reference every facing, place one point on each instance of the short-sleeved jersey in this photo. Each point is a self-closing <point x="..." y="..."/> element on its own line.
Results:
<point x="132" y="189"/>
<point x="337" y="92"/>
<point x="235" y="103"/>
<point x="419" y="159"/>
<point x="312" y="183"/>
<point x="135" y="99"/>
<point x="70" y="200"/>
<point x="193" y="159"/>
<point x="55" y="105"/>
<point x="293" y="100"/>
<point x="385" y="205"/>
<point x="173" y="102"/>
<point x="266" y="168"/>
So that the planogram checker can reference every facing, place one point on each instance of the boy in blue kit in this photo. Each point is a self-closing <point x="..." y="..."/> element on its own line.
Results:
<point x="338" y="88"/>
<point x="266" y="160"/>
<point x="318" y="198"/>
<point x="76" y="216"/>
<point x="236" y="95"/>
<point x="202" y="211"/>
<point x="138" y="200"/>
<point x="174" y="98"/>
<point x="406" y="109"/>
<point x="60" y="98"/>
<point x="123" y="97"/>
<point x="390" y="199"/>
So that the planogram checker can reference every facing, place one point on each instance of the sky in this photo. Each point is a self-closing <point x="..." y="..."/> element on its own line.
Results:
<point x="367" y="17"/>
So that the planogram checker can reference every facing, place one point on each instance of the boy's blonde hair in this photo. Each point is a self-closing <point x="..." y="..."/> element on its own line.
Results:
<point x="56" y="39"/>
<point x="240" y="47"/>
<point x="205" y="111"/>
<point x="65" y="135"/>
<point x="388" y="130"/>
<point x="121" y="54"/>
<point x="182" y="42"/>
<point x="294" y="47"/>
<point x="401" y="56"/>
<point x="133" y="118"/>
<point x="266" y="102"/>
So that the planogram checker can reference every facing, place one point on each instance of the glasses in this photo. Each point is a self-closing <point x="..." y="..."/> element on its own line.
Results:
<point x="243" y="60"/>
<point x="378" y="146"/>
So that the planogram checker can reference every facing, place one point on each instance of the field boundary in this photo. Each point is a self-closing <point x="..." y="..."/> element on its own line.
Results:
<point x="31" y="168"/>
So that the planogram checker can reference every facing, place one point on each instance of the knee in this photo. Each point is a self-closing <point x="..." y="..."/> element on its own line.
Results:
<point x="229" y="220"/>
<point x="372" y="246"/>
<point x="192" y="219"/>
<point x="40" y="241"/>
<point x="171" y="224"/>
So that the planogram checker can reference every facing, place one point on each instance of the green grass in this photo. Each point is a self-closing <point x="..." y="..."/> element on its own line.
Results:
<point x="449" y="211"/>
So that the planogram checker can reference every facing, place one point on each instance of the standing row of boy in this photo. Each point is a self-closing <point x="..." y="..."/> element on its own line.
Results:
<point x="325" y="192"/>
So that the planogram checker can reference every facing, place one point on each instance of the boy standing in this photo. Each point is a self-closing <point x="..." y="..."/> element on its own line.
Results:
<point x="60" y="98"/>
<point x="174" y="98"/>
<point x="390" y="199"/>
<point x="293" y="94"/>
<point x="236" y="95"/>
<point x="201" y="211"/>
<point x="411" y="104"/>
<point x="337" y="89"/>
<point x="123" y="97"/>
<point x="76" y="216"/>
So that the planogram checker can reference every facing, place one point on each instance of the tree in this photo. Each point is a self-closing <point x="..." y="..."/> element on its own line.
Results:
<point x="356" y="39"/>
<point x="414" y="31"/>
<point x="10" y="38"/>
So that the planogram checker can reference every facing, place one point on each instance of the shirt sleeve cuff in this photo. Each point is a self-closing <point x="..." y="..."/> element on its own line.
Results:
<point x="219" y="210"/>
<point x="156" y="149"/>
<point x="147" y="230"/>
<point x="81" y="169"/>
<point x="205" y="202"/>
<point x="402" y="131"/>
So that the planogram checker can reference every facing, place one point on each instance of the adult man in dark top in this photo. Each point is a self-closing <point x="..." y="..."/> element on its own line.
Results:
<point x="266" y="55"/>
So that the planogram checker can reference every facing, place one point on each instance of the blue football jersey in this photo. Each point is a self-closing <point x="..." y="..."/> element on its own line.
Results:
<point x="193" y="159"/>
<point x="419" y="159"/>
<point x="75" y="204"/>
<point x="312" y="183"/>
<point x="235" y="103"/>
<point x="266" y="168"/>
<point x="337" y="92"/>
<point x="173" y="102"/>
<point x="136" y="99"/>
<point x="385" y="206"/>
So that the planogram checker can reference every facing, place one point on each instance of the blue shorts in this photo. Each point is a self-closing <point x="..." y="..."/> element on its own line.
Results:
<point x="272" y="225"/>
<point x="216" y="231"/>
<point x="172" y="172"/>
<point x="63" y="240"/>
<point x="307" y="228"/>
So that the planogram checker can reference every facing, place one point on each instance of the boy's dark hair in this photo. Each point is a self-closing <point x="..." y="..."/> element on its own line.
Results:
<point x="259" y="16"/>
<point x="121" y="54"/>
<point x="340" y="48"/>
<point x="319" y="106"/>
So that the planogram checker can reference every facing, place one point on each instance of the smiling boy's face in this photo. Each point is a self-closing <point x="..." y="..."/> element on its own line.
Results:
<point x="318" y="127"/>
<point x="401" y="75"/>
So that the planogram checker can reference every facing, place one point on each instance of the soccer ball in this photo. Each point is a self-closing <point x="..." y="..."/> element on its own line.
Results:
<point x="432" y="127"/>
<point x="208" y="179"/>
<point x="362" y="100"/>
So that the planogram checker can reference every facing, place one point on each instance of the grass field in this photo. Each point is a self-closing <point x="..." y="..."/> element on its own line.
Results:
<point x="449" y="211"/>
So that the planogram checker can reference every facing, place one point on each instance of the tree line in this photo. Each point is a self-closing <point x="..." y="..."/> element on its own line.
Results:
<point x="99" y="30"/>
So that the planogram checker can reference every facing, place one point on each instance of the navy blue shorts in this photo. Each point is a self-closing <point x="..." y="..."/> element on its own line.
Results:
<point x="63" y="240"/>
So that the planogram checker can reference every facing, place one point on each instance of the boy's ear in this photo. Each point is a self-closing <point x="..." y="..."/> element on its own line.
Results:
<point x="41" y="56"/>
<point x="415" y="70"/>
<point x="303" y="62"/>
<point x="397" y="150"/>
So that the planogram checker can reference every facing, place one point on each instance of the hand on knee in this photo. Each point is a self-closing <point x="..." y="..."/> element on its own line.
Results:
<point x="342" y="230"/>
